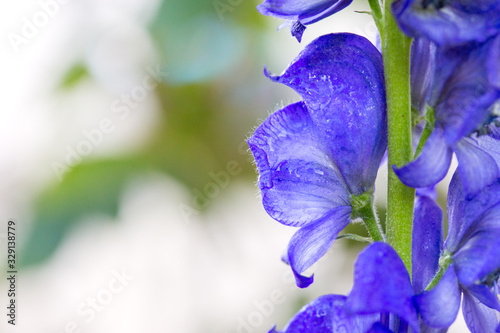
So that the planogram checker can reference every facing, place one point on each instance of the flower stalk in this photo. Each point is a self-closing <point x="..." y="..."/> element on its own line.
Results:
<point x="396" y="51"/>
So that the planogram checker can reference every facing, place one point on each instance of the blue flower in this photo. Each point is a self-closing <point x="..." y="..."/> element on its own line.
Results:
<point x="300" y="13"/>
<point x="472" y="248"/>
<point x="313" y="156"/>
<point x="381" y="299"/>
<point x="448" y="22"/>
<point x="466" y="85"/>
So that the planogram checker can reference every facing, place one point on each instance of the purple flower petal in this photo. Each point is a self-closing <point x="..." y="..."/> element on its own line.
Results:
<point x="462" y="212"/>
<point x="340" y="78"/>
<point x="479" y="255"/>
<point x="476" y="167"/>
<point x="431" y="166"/>
<point x="382" y="285"/>
<point x="489" y="144"/>
<point x="485" y="295"/>
<point x="448" y="22"/>
<point x="313" y="240"/>
<point x="422" y="61"/>
<point x="427" y="242"/>
<point x="439" y="306"/>
<point x="326" y="315"/>
<point x="302" y="12"/>
<point x="466" y="84"/>
<point x="298" y="180"/>
<point x="478" y="317"/>
<point x="379" y="328"/>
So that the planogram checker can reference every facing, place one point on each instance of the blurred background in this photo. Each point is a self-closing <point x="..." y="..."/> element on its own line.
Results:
<point x="125" y="168"/>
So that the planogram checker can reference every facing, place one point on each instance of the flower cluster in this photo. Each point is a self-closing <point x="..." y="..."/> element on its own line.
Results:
<point x="318" y="160"/>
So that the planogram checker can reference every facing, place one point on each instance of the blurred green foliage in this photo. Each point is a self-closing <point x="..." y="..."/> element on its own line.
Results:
<point x="203" y="125"/>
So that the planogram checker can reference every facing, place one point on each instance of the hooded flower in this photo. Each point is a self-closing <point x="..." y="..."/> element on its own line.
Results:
<point x="380" y="301"/>
<point x="448" y="22"/>
<point x="314" y="156"/>
<point x="300" y="13"/>
<point x="472" y="249"/>
<point x="466" y="85"/>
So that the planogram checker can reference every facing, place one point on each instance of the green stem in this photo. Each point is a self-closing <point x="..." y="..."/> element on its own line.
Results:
<point x="396" y="50"/>
<point x="364" y="209"/>
<point x="429" y="127"/>
<point x="444" y="263"/>
<point x="356" y="237"/>
<point x="368" y="216"/>
<point x="376" y="13"/>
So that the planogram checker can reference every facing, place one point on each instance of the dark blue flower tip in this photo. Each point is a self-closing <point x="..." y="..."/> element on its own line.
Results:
<point x="326" y="315"/>
<point x="431" y="166"/>
<point x="478" y="317"/>
<point x="427" y="241"/>
<point x="340" y="77"/>
<point x="439" y="307"/>
<point x="466" y="85"/>
<point x="300" y="12"/>
<point x="297" y="30"/>
<point x="382" y="285"/>
<point x="448" y="22"/>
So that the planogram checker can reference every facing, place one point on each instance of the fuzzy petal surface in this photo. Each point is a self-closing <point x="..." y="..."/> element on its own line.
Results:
<point x="298" y="179"/>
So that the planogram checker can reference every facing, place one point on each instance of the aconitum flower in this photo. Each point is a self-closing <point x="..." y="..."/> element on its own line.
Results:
<point x="381" y="299"/>
<point x="448" y="22"/>
<point x="300" y="13"/>
<point x="472" y="250"/>
<point x="315" y="156"/>
<point x="466" y="85"/>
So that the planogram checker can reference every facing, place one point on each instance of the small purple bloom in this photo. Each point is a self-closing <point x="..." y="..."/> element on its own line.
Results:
<point x="312" y="156"/>
<point x="448" y="22"/>
<point x="300" y="13"/>
<point x="466" y="85"/>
